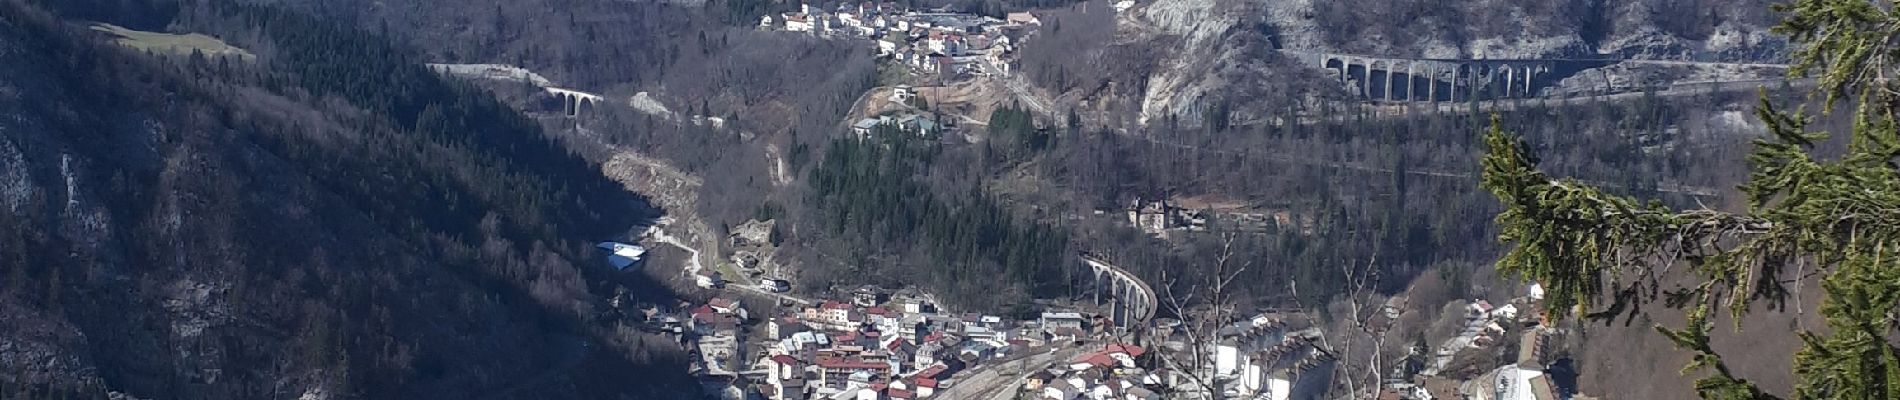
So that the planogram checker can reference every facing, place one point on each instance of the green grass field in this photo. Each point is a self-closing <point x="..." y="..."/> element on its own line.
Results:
<point x="172" y="43"/>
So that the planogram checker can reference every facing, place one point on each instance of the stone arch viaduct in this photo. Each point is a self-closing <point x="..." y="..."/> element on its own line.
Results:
<point x="572" y="101"/>
<point x="1130" y="302"/>
<point x="1437" y="79"/>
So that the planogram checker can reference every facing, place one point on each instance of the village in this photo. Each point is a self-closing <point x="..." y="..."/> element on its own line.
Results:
<point x="928" y="42"/>
<point x="760" y="342"/>
<point x="880" y="344"/>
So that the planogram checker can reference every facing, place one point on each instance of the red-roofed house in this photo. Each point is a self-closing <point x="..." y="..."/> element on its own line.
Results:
<point x="884" y="319"/>
<point x="797" y="22"/>
<point x="934" y="372"/>
<point x="723" y="305"/>
<point x="925" y="387"/>
<point x="834" y="314"/>
<point x="900" y="349"/>
<point x="1480" y="308"/>
<point x="1091" y="360"/>
<point x="1131" y="350"/>
<point x="715" y="323"/>
<point x="1110" y="356"/>
<point x="786" y="377"/>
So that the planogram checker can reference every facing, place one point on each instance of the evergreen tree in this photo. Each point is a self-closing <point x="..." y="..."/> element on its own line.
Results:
<point x="1807" y="216"/>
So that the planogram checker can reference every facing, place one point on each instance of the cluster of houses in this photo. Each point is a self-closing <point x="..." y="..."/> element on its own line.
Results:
<point x="913" y="122"/>
<point x="929" y="42"/>
<point x="1256" y="358"/>
<point x="919" y="124"/>
<point x="873" y="346"/>
<point x="1264" y="358"/>
<point x="1162" y="217"/>
<point x="886" y="346"/>
<point x="1109" y="372"/>
<point x="1517" y="323"/>
<point x="1485" y="326"/>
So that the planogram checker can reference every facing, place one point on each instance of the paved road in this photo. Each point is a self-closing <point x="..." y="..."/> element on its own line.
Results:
<point x="694" y="265"/>
<point x="1027" y="97"/>
<point x="659" y="235"/>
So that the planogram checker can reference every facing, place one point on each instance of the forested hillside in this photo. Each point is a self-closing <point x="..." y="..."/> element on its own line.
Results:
<point x="966" y="245"/>
<point x="1390" y="191"/>
<point x="330" y="221"/>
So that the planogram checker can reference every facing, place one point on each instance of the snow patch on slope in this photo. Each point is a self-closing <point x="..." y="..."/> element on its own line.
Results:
<point x="644" y="102"/>
<point x="493" y="71"/>
<point x="16" y="185"/>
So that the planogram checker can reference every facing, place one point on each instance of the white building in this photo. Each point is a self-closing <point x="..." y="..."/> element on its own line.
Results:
<point x="888" y="45"/>
<point x="1227" y="358"/>
<point x="798" y="22"/>
<point x="1505" y="312"/>
<point x="710" y="280"/>
<point x="1057" y="320"/>
<point x="1514" y="383"/>
<point x="1022" y="18"/>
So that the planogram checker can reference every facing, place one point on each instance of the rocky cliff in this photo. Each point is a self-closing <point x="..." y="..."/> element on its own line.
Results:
<point x="1223" y="52"/>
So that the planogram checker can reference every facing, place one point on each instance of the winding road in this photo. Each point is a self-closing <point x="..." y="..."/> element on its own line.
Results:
<point x="694" y="265"/>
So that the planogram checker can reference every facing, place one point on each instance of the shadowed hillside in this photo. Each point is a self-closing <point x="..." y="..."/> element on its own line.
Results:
<point x="330" y="221"/>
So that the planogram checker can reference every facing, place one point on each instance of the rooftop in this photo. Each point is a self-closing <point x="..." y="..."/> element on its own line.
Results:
<point x="1062" y="315"/>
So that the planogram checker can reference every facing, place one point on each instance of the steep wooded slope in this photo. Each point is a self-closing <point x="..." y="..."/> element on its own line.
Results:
<point x="177" y="227"/>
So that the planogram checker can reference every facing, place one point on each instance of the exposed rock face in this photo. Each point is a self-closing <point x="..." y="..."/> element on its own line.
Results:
<point x="1528" y="29"/>
<point x="1193" y="28"/>
<point x="753" y="233"/>
<point x="1212" y="54"/>
<point x="645" y="102"/>
<point x="1223" y="51"/>
<point x="31" y="338"/>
